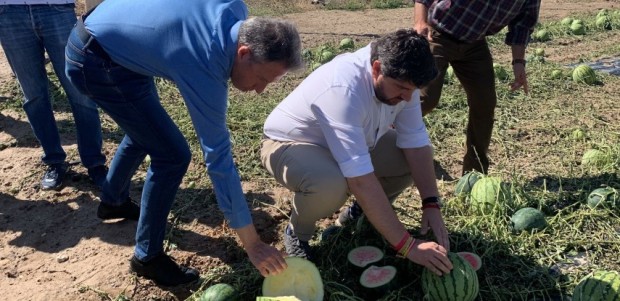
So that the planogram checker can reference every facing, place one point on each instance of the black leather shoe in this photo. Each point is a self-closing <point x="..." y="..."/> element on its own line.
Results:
<point x="98" y="174"/>
<point x="128" y="210"/>
<point x="163" y="270"/>
<point x="52" y="179"/>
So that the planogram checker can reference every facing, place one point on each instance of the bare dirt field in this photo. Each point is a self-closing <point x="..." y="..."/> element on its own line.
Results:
<point x="52" y="246"/>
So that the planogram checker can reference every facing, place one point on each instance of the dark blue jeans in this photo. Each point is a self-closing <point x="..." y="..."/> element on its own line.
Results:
<point x="131" y="99"/>
<point x="26" y="33"/>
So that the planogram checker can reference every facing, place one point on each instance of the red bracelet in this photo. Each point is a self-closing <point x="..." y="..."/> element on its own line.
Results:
<point x="430" y="205"/>
<point x="402" y="241"/>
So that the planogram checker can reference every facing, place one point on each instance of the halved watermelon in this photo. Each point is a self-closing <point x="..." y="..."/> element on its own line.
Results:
<point x="472" y="258"/>
<point x="301" y="279"/>
<point x="364" y="255"/>
<point x="281" y="298"/>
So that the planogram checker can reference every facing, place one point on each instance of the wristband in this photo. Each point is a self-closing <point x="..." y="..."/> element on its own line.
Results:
<point x="402" y="241"/>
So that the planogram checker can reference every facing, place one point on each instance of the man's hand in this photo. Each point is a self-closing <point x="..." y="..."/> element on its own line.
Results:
<point x="422" y="28"/>
<point x="431" y="217"/>
<point x="267" y="259"/>
<point x="430" y="255"/>
<point x="520" y="78"/>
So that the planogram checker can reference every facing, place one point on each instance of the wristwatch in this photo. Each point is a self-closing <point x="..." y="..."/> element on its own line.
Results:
<point x="518" y="61"/>
<point x="432" y="200"/>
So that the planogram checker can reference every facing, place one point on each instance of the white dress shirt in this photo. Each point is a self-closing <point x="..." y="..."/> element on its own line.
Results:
<point x="335" y="107"/>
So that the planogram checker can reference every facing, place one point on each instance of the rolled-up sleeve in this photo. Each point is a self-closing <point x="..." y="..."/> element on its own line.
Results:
<point x="410" y="128"/>
<point x="209" y="119"/>
<point x="426" y="3"/>
<point x="522" y="26"/>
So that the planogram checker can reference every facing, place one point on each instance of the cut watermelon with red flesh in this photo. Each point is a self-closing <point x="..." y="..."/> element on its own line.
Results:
<point x="473" y="259"/>
<point x="364" y="255"/>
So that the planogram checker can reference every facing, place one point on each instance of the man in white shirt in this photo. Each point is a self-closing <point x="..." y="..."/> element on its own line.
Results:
<point x="354" y="126"/>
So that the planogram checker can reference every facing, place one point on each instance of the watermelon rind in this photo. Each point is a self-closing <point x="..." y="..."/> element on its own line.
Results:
<point x="364" y="255"/>
<point x="528" y="219"/>
<point x="461" y="284"/>
<point x="598" y="286"/>
<point x="279" y="298"/>
<point x="472" y="258"/>
<point x="300" y="279"/>
<point x="606" y="197"/>
<point x="220" y="292"/>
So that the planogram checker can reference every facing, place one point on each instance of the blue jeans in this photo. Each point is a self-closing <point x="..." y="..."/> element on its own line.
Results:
<point x="131" y="99"/>
<point x="26" y="33"/>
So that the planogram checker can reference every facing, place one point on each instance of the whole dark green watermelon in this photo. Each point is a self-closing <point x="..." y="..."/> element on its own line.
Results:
<point x="528" y="219"/>
<point x="220" y="292"/>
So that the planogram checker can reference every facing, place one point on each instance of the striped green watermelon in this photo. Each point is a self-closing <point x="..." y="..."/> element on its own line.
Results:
<point x="584" y="74"/>
<point x="489" y="194"/>
<point x="461" y="284"/>
<point x="567" y="21"/>
<point x="598" y="286"/>
<point x="466" y="183"/>
<point x="220" y="292"/>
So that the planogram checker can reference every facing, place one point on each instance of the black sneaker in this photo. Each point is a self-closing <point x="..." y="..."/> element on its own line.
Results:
<point x="295" y="247"/>
<point x="98" y="174"/>
<point x="349" y="214"/>
<point x="52" y="179"/>
<point x="128" y="210"/>
<point x="163" y="270"/>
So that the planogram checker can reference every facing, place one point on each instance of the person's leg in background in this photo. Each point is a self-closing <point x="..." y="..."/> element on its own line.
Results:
<point x="54" y="25"/>
<point x="25" y="53"/>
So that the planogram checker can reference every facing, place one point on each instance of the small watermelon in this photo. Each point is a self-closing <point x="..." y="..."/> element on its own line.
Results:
<point x="567" y="21"/>
<point x="472" y="258"/>
<point x="596" y="158"/>
<point x="280" y="298"/>
<point x="347" y="44"/>
<point x="220" y="292"/>
<point x="606" y="197"/>
<point x="598" y="286"/>
<point x="542" y="35"/>
<point x="300" y="279"/>
<point x="603" y="22"/>
<point x="461" y="284"/>
<point x="578" y="29"/>
<point x="489" y="194"/>
<point x="602" y="13"/>
<point x="528" y="219"/>
<point x="557" y="74"/>
<point x="377" y="281"/>
<point x="364" y="255"/>
<point x="584" y="74"/>
<point x="539" y="52"/>
<point x="326" y="56"/>
<point x="577" y="134"/>
<point x="466" y="183"/>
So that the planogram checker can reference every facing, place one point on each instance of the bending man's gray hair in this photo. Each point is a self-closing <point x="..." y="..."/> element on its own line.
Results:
<point x="272" y="40"/>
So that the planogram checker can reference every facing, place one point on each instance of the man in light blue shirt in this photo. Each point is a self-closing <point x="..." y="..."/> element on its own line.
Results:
<point x="199" y="45"/>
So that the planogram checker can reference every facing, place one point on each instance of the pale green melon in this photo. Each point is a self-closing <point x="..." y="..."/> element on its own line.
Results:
<point x="578" y="29"/>
<point x="300" y="279"/>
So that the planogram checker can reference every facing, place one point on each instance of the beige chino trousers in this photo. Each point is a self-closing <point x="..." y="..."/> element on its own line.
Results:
<point x="311" y="172"/>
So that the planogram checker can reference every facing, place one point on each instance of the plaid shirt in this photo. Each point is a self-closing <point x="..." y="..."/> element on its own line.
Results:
<point x="470" y="20"/>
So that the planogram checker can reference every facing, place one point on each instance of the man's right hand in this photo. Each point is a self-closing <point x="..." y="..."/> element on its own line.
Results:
<point x="430" y="255"/>
<point x="267" y="259"/>
<point x="422" y="28"/>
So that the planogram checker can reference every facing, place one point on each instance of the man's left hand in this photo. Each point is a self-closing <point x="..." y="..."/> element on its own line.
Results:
<point x="431" y="218"/>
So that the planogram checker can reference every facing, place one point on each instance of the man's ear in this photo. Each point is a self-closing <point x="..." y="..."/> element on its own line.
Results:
<point x="243" y="52"/>
<point x="376" y="68"/>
